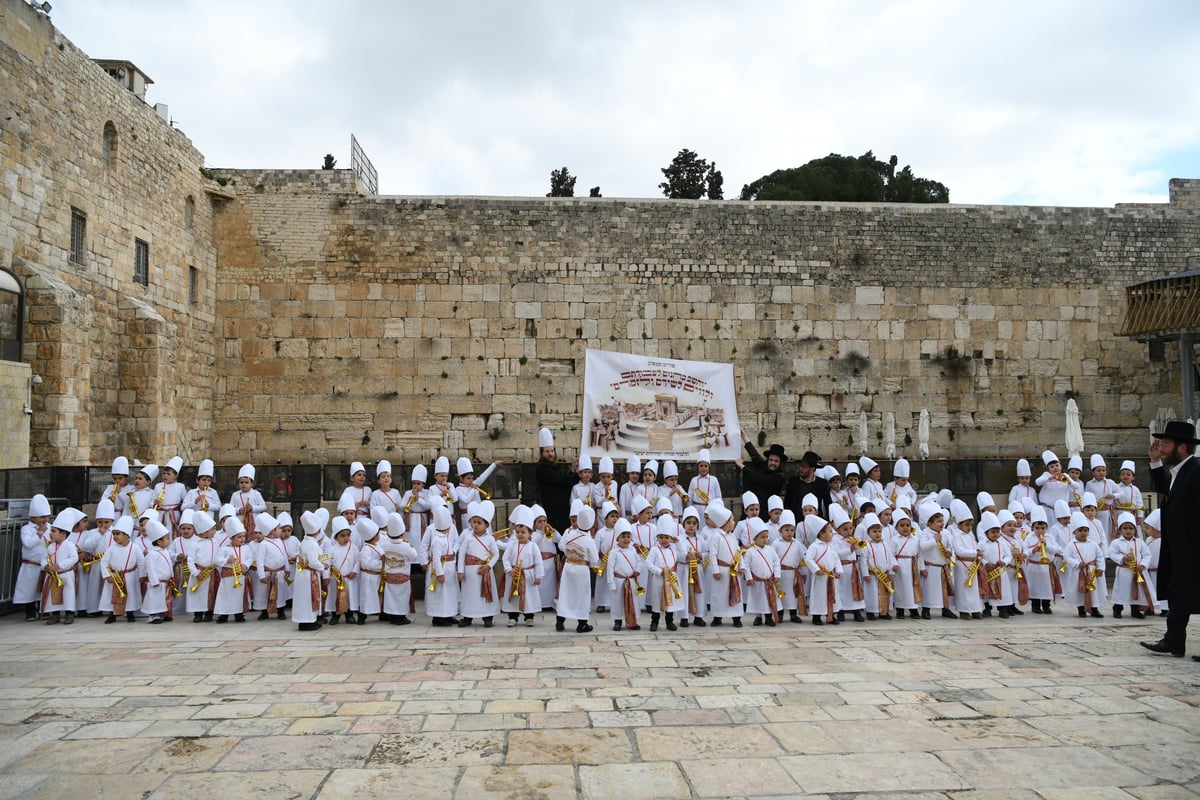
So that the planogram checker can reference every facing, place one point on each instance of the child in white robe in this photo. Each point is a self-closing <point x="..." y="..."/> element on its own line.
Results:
<point x="310" y="569"/>
<point x="624" y="567"/>
<point x="35" y="535"/>
<point x="544" y="538"/>
<point x="477" y="556"/>
<point x="880" y="569"/>
<point x="704" y="488"/>
<point x="1085" y="568"/>
<point x="235" y="587"/>
<point x="442" y="593"/>
<point x="160" y="574"/>
<point x="693" y="547"/>
<point x="968" y="563"/>
<point x="906" y="550"/>
<point x="760" y="565"/>
<point x="1152" y="526"/>
<point x="270" y="584"/>
<point x="993" y="573"/>
<point x="792" y="573"/>
<point x="120" y="566"/>
<point x="824" y="568"/>
<point x="606" y="539"/>
<point x="58" y="585"/>
<point x="247" y="501"/>
<point x="1131" y="555"/>
<point x="851" y="594"/>
<point x="937" y="556"/>
<point x="203" y="569"/>
<point x="1042" y="552"/>
<point x="91" y="551"/>
<point x="725" y="560"/>
<point x="575" y="584"/>
<point x="341" y="600"/>
<point x="667" y="593"/>
<point x="523" y="570"/>
<point x="398" y="558"/>
<point x="203" y="497"/>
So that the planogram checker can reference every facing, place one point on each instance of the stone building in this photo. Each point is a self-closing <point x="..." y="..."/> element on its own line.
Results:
<point x="289" y="315"/>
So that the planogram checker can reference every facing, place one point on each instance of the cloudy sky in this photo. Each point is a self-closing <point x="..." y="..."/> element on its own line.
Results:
<point x="1063" y="102"/>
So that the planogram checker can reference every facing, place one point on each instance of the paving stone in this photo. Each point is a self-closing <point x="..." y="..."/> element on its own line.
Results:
<point x="749" y="777"/>
<point x="119" y="756"/>
<point x="57" y="787"/>
<point x="188" y="754"/>
<point x="599" y="746"/>
<point x="733" y="741"/>
<point x="426" y="783"/>
<point x="300" y="752"/>
<point x="299" y="784"/>
<point x="633" y="781"/>
<point x="1040" y="767"/>
<point x="526" y="782"/>
<point x="863" y="772"/>
<point x="439" y="749"/>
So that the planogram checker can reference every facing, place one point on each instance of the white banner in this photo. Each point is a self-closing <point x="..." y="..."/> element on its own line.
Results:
<point x="658" y="408"/>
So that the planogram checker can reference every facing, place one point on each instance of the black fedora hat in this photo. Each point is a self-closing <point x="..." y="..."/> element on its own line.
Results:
<point x="776" y="450"/>
<point x="1178" y="430"/>
<point x="810" y="458"/>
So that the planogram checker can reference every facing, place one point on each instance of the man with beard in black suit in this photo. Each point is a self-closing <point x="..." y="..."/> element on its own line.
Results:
<point x="806" y="481"/>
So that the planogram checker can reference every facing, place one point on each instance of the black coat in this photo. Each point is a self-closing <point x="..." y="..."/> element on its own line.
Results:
<point x="797" y="488"/>
<point x="757" y="478"/>
<point x="1179" y="558"/>
<point x="554" y="482"/>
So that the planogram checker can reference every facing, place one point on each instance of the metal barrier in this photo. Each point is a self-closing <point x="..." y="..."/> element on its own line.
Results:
<point x="16" y="514"/>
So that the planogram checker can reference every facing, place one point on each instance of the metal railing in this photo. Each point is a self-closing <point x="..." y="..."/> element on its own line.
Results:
<point x="363" y="167"/>
<point x="15" y="515"/>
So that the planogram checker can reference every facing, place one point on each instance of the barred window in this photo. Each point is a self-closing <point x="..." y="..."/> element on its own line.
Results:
<point x="141" y="262"/>
<point x="78" y="236"/>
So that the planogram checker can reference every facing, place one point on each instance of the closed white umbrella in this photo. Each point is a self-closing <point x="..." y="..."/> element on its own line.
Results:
<point x="889" y="436"/>
<point x="1074" y="439"/>
<point x="923" y="433"/>
<point x="862" y="432"/>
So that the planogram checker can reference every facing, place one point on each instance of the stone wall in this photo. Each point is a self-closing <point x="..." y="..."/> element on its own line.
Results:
<point x="409" y="326"/>
<point x="111" y="384"/>
<point x="14" y="429"/>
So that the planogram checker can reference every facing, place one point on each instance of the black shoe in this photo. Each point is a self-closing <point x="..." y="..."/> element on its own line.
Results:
<point x="653" y="626"/>
<point x="221" y="618"/>
<point x="155" y="621"/>
<point x="617" y="625"/>
<point x="583" y="627"/>
<point x="361" y="619"/>
<point x="699" y="622"/>
<point x="630" y="628"/>
<point x="400" y="619"/>
<point x="945" y="613"/>
<point x="1137" y="613"/>
<point x="334" y="621"/>
<point x="601" y="609"/>
<point x="1003" y="613"/>
<point x="758" y="620"/>
<point x="835" y="621"/>
<point x="858" y="617"/>
<point x="796" y="618"/>
<point x="925" y="613"/>
<point x="976" y="615"/>
<point x="1195" y="658"/>
<point x="487" y="622"/>
<point x="818" y="621"/>
<point x="349" y="617"/>
<point x="280" y="614"/>
<point x="885" y="616"/>
<point x="198" y="617"/>
<point x="770" y="621"/>
<point x="1117" y="611"/>
<point x="208" y="616"/>
<point x="30" y="612"/>
<point x="465" y="622"/>
<point x="870" y="616"/>
<point x="263" y="615"/>
<point x="69" y="618"/>
<point x="1163" y="647"/>
<point x="841" y="616"/>
<point x="987" y="612"/>
<point x="309" y="626"/>
<point x="1096" y="613"/>
<point x="560" y="624"/>
<point x="1162" y="613"/>
<point x="239" y="617"/>
<point x="717" y="622"/>
<point x="1082" y="612"/>
<point x="671" y="626"/>
<point x="129" y="617"/>
<point x="683" y="623"/>
<point x="53" y="619"/>
<point x="1037" y="607"/>
<point x="1046" y="607"/>
<point x="1015" y="612"/>
<point x="737" y="622"/>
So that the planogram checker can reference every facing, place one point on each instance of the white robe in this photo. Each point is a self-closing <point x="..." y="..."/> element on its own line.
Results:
<point x="485" y="549"/>
<point x="65" y="557"/>
<point x="575" y="589"/>
<point x="310" y="569"/>
<point x="527" y="558"/>
<point x="442" y="600"/>
<point x="822" y="559"/>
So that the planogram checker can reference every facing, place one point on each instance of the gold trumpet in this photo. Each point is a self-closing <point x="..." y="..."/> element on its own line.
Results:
<point x="673" y="582"/>
<point x="518" y="575"/>
<point x="412" y="499"/>
<point x="640" y="589"/>
<point x="779" y="589"/>
<point x="972" y="571"/>
<point x="117" y="581"/>
<point x="237" y="573"/>
<point x="599" y="568"/>
<point x="483" y="493"/>
<point x="52" y="568"/>
<point x="503" y="533"/>
<point x="703" y="495"/>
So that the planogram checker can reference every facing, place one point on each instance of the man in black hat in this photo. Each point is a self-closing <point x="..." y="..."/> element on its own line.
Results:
<point x="1176" y="477"/>
<point x="763" y="476"/>
<point x="806" y="481"/>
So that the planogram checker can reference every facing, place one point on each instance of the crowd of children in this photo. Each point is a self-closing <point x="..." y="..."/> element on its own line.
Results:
<point x="157" y="550"/>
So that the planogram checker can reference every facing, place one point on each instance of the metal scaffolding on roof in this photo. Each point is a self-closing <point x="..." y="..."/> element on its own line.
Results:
<point x="1168" y="309"/>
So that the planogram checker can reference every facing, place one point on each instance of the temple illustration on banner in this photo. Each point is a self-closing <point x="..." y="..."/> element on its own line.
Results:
<point x="657" y="424"/>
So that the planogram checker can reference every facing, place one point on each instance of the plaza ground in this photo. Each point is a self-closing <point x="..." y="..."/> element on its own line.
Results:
<point x="1035" y="707"/>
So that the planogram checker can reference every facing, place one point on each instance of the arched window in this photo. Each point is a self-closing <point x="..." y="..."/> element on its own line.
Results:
<point x="12" y="311"/>
<point x="189" y="212"/>
<point x="110" y="144"/>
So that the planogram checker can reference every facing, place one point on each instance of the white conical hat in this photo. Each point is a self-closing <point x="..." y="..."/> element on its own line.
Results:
<point x="383" y="466"/>
<point x="420" y="473"/>
<point x="175" y="463"/>
<point x="395" y="525"/>
<point x="606" y="465"/>
<point x="545" y="438"/>
<point x="703" y="457"/>
<point x="634" y="464"/>
<point x="39" y="506"/>
<point x="670" y="470"/>
<point x="247" y="471"/>
<point x="585" y="462"/>
<point x="464" y="467"/>
<point x="120" y="466"/>
<point x="203" y="522"/>
<point x="105" y="510"/>
<point x="356" y="467"/>
<point x="441" y="465"/>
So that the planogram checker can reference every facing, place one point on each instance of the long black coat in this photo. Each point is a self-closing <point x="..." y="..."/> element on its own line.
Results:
<point x="797" y="489"/>
<point x="1179" y="558"/>
<point x="554" y="482"/>
<point x="764" y="482"/>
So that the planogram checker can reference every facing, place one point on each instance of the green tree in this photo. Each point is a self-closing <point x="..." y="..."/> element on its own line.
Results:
<point x="330" y="161"/>
<point x="848" y="179"/>
<point x="562" y="183"/>
<point x="595" y="192"/>
<point x="689" y="177"/>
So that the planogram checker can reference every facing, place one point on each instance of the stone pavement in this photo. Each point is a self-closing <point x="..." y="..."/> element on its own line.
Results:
<point x="1053" y="708"/>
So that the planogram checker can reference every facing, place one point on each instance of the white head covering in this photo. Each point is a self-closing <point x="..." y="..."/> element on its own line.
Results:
<point x="441" y="517"/>
<point x="1129" y="465"/>
<point x="65" y="520"/>
<point x="851" y="469"/>
<point x="585" y="518"/>
<point x="862" y="500"/>
<point x="691" y="511"/>
<point x="900" y="514"/>
<point x="755" y="526"/>
<point x="264" y="523"/>
<point x="622" y="526"/>
<point x="420" y="473"/>
<point x="944" y="498"/>
<point x="284" y="520"/>
<point x="1017" y="508"/>
<point x="155" y="530"/>
<point x="704" y="457"/>
<point x="150" y="471"/>
<point x="639" y="504"/>
<point x="1078" y="520"/>
<point x="441" y="465"/>
<point x="463" y="467"/>
<point x="339" y="524"/>
<point x="536" y="511"/>
<point x="1154" y="519"/>
<point x="203" y="522"/>
<point x="345" y="504"/>
<point x="837" y="516"/>
<point x="125" y="525"/>
<point x="39" y="506"/>
<point x="749" y="499"/>
<point x="1061" y="509"/>
<point x="356" y="467"/>
<point x="987" y="521"/>
<point x="105" y="510"/>
<point x="309" y="521"/>
<point x="379" y="515"/>
<point x="233" y="527"/>
<point x="521" y="516"/>
<point x="1038" y="514"/>
<point x="1097" y="461"/>
<point x="867" y="464"/>
<point x="960" y="511"/>
<point x="1005" y="516"/>
<point x="663" y="506"/>
<point x="247" y="471"/>
<point x="774" y="502"/>
<point x="651" y="466"/>
<point x="205" y="470"/>
<point x="367" y="529"/>
<point x="829" y="472"/>
<point x="608" y="508"/>
<point x="1048" y="457"/>
<point x="606" y="465"/>
<point x="927" y="511"/>
<point x="984" y="500"/>
<point x="814" y="524"/>
<point x="634" y="464"/>
<point x="788" y="517"/>
<point x="1076" y="462"/>
<point x="1023" y="470"/>
<point x="718" y="513"/>
<point x="485" y="510"/>
<point x="395" y="525"/>
<point x="1088" y="499"/>
<point x="545" y="438"/>
<point x="670" y="470"/>
<point x="149" y="513"/>
<point x="585" y="462"/>
<point x="1028" y="504"/>
<point x="811" y="500"/>
<point x="869" y="520"/>
<point x="120" y="466"/>
<point x="1124" y="517"/>
<point x="901" y="468"/>
<point x="576" y="504"/>
<point x="175" y="463"/>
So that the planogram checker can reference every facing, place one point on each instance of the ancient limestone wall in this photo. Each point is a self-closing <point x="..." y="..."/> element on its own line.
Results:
<point x="127" y="368"/>
<point x="405" y="326"/>
<point x="14" y="431"/>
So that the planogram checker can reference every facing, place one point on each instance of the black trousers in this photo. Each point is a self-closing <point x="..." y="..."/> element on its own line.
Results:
<point x="1177" y="622"/>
